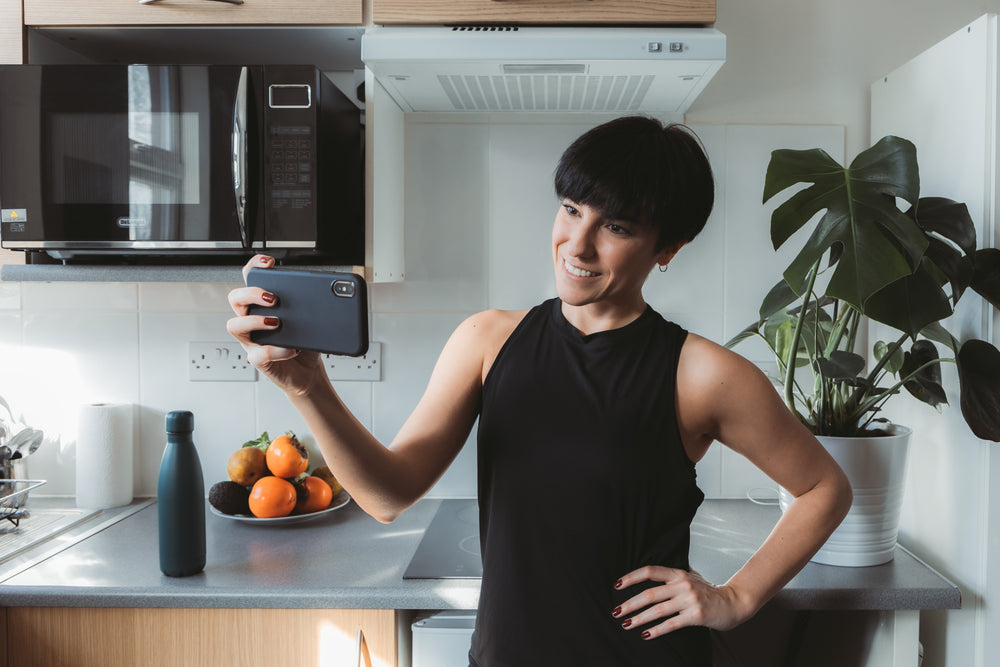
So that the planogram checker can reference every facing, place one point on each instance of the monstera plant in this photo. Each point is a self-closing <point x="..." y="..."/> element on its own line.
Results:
<point x="881" y="252"/>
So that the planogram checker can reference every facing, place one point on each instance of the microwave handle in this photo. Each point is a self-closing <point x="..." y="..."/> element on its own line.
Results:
<point x="240" y="154"/>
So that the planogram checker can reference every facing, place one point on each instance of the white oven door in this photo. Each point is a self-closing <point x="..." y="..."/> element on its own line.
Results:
<point x="443" y="639"/>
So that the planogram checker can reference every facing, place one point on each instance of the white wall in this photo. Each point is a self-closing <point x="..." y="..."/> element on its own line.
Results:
<point x="950" y="526"/>
<point x="812" y="61"/>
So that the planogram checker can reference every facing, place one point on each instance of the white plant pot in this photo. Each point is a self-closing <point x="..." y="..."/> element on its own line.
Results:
<point x="876" y="468"/>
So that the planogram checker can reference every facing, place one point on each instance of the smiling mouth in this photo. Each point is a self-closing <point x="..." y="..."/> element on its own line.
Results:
<point x="578" y="272"/>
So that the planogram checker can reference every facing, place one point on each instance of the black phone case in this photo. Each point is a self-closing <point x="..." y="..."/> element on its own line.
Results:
<point x="320" y="311"/>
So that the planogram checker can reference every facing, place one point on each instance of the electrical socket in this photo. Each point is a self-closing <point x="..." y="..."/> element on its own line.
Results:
<point x="367" y="368"/>
<point x="219" y="362"/>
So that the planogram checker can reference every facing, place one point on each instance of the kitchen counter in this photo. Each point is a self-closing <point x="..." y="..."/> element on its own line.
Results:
<point x="346" y="559"/>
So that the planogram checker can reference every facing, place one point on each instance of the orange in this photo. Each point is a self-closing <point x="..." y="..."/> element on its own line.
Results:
<point x="286" y="457"/>
<point x="272" y="497"/>
<point x="314" y="495"/>
<point x="246" y="466"/>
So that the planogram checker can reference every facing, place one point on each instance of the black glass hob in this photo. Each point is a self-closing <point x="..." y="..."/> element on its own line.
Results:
<point x="450" y="547"/>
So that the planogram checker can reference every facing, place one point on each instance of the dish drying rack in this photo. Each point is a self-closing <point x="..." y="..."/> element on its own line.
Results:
<point x="13" y="495"/>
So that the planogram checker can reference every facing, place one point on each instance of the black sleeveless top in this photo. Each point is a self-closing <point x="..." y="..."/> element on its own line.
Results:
<point x="582" y="479"/>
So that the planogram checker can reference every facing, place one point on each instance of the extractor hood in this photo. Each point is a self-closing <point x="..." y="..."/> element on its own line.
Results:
<point x="555" y="69"/>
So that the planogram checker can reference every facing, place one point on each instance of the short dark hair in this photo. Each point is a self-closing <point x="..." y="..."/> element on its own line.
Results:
<point x="637" y="168"/>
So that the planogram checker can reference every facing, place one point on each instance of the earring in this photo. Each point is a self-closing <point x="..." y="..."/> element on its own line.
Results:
<point x="663" y="268"/>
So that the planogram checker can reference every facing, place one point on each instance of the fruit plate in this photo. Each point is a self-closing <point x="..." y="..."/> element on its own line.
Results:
<point x="340" y="501"/>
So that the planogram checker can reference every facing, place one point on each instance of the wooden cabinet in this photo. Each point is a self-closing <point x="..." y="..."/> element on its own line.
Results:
<point x="192" y="12"/>
<point x="85" y="637"/>
<point x="544" y="11"/>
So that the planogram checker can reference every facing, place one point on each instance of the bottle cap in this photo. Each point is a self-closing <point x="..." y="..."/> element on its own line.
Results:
<point x="180" y="421"/>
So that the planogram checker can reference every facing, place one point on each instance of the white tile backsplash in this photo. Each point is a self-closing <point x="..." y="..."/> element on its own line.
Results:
<point x="10" y="296"/>
<point x="71" y="357"/>
<point x="225" y="415"/>
<point x="479" y="211"/>
<point x="411" y="344"/>
<point x="188" y="297"/>
<point x="79" y="296"/>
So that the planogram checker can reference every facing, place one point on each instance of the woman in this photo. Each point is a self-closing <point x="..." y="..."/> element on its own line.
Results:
<point x="592" y="412"/>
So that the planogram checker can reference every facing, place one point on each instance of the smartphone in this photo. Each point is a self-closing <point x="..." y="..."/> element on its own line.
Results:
<point x="319" y="310"/>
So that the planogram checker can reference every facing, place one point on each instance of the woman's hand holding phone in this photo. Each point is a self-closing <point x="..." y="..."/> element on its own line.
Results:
<point x="292" y="370"/>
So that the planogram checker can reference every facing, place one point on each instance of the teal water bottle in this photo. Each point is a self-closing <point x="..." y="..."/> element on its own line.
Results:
<point x="180" y="497"/>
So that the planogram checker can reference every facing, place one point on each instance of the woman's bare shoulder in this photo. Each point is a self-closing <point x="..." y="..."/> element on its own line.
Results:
<point x="491" y="324"/>
<point x="490" y="329"/>
<point x="709" y="368"/>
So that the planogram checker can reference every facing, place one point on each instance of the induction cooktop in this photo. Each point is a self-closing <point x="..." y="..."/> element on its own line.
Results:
<point x="450" y="547"/>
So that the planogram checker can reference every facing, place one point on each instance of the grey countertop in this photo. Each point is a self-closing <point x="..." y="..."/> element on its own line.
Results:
<point x="346" y="559"/>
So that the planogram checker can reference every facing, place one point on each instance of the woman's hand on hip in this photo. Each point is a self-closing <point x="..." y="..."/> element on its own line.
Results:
<point x="682" y="598"/>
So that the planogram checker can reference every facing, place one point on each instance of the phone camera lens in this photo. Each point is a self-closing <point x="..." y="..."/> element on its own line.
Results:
<point x="343" y="288"/>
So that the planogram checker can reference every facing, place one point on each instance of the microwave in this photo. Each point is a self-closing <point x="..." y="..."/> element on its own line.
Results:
<point x="212" y="162"/>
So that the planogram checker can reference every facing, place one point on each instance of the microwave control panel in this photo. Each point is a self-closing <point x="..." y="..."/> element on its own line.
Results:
<point x="290" y="164"/>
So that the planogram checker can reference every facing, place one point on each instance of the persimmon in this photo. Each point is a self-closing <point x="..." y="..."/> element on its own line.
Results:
<point x="272" y="497"/>
<point x="286" y="457"/>
<point x="323" y="472"/>
<point x="314" y="495"/>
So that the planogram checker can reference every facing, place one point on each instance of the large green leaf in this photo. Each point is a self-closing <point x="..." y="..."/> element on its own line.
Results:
<point x="926" y="382"/>
<point x="934" y="331"/>
<point x="876" y="243"/>
<point x="979" y="376"/>
<point x="841" y="365"/>
<point x="895" y="361"/>
<point x="780" y="296"/>
<point x="953" y="252"/>
<point x="948" y="218"/>
<point x="910" y="303"/>
<point x="986" y="276"/>
<point x="956" y="268"/>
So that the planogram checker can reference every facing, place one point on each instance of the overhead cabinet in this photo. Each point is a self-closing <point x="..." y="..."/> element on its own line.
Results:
<point x="660" y="12"/>
<point x="192" y="12"/>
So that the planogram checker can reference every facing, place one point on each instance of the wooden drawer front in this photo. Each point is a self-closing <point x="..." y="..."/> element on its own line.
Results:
<point x="191" y="12"/>
<point x="544" y="11"/>
<point x="82" y="637"/>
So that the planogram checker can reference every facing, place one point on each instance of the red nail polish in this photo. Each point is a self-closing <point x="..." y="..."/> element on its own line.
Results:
<point x="267" y="297"/>
<point x="645" y="634"/>
<point x="271" y="321"/>
<point x="264" y="259"/>
<point x="627" y="623"/>
<point x="617" y="611"/>
<point x="618" y="584"/>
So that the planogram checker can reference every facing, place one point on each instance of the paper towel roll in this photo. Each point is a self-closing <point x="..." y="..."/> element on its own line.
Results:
<point x="104" y="455"/>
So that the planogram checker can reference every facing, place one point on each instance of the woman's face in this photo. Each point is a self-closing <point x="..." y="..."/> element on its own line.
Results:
<point x="598" y="260"/>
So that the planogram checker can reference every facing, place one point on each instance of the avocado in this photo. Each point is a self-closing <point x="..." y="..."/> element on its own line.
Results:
<point x="229" y="497"/>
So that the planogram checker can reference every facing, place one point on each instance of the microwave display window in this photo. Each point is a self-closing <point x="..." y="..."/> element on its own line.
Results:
<point x="91" y="162"/>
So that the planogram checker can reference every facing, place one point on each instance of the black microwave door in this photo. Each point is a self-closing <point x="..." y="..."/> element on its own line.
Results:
<point x="130" y="157"/>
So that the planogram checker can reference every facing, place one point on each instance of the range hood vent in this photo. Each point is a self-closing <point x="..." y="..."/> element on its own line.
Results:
<point x="498" y="69"/>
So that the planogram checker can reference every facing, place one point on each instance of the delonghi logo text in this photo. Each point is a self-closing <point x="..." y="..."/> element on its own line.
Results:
<point x="132" y="222"/>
